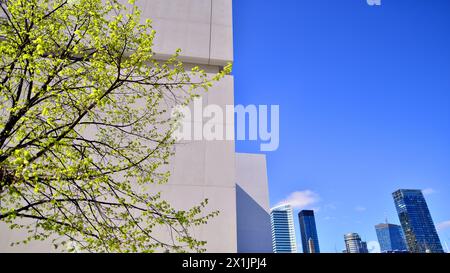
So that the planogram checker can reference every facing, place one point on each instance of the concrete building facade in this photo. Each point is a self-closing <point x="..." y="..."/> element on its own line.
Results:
<point x="253" y="208"/>
<point x="200" y="169"/>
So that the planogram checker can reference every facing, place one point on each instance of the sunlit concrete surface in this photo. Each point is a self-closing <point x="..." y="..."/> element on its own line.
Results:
<point x="202" y="29"/>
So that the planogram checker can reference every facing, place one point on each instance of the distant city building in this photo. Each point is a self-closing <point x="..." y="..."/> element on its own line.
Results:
<point x="397" y="251"/>
<point x="310" y="240"/>
<point x="364" y="248"/>
<point x="391" y="238"/>
<point x="283" y="232"/>
<point x="354" y="244"/>
<point x="415" y="218"/>
<point x="312" y="248"/>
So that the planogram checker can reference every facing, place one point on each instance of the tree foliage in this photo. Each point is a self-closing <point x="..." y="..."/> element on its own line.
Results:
<point x="84" y="131"/>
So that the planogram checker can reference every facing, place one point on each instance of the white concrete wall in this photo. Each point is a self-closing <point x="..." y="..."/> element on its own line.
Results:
<point x="201" y="28"/>
<point x="200" y="169"/>
<point x="206" y="169"/>
<point x="253" y="207"/>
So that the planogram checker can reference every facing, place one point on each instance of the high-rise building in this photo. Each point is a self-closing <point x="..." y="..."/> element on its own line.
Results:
<point x="390" y="237"/>
<point x="354" y="244"/>
<point x="283" y="231"/>
<point x="364" y="248"/>
<point x="415" y="218"/>
<point x="310" y="240"/>
<point x="311" y="246"/>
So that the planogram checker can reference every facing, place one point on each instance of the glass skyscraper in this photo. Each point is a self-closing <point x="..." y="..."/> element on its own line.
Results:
<point x="353" y="244"/>
<point x="283" y="232"/>
<point x="415" y="218"/>
<point x="390" y="237"/>
<point x="310" y="240"/>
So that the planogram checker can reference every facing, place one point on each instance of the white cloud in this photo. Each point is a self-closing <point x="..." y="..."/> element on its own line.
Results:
<point x="360" y="208"/>
<point x="428" y="191"/>
<point x="373" y="247"/>
<point x="301" y="199"/>
<point x="443" y="225"/>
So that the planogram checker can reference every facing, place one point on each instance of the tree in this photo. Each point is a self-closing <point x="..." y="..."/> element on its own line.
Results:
<point x="84" y="131"/>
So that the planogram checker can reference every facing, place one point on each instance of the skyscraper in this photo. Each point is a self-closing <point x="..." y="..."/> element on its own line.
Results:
<point x="283" y="232"/>
<point x="415" y="218"/>
<point x="310" y="240"/>
<point x="364" y="248"/>
<point x="390" y="237"/>
<point x="353" y="244"/>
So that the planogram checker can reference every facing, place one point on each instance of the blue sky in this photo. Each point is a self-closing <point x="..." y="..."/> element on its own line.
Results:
<point x="364" y="95"/>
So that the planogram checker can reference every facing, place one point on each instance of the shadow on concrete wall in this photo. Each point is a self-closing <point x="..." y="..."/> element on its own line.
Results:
<point x="254" y="231"/>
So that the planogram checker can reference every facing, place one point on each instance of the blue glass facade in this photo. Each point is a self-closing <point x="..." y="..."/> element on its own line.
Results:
<point x="390" y="237"/>
<point x="415" y="218"/>
<point x="283" y="232"/>
<point x="310" y="240"/>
